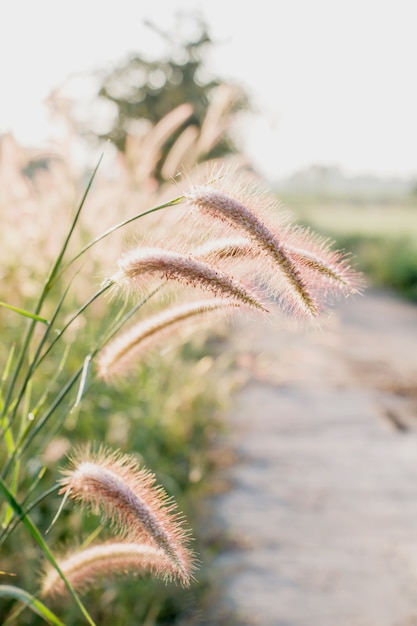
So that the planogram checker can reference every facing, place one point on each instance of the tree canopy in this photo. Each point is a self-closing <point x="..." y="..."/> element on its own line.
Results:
<point x="142" y="88"/>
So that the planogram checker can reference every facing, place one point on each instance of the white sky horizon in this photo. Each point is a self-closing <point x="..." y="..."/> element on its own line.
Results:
<point x="333" y="81"/>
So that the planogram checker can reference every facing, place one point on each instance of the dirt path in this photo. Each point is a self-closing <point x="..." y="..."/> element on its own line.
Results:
<point x="322" y="508"/>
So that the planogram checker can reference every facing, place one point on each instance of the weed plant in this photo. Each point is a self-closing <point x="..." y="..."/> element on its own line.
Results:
<point x="97" y="537"/>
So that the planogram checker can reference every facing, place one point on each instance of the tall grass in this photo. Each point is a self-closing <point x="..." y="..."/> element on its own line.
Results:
<point x="82" y="295"/>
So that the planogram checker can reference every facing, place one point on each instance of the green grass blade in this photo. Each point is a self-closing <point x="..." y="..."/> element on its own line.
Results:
<point x="123" y="320"/>
<point x="71" y="229"/>
<point x="47" y="390"/>
<point x="113" y="229"/>
<point x="31" y="431"/>
<point x="28" y="435"/>
<point x="35" y="360"/>
<point x="77" y="313"/>
<point x="28" y="425"/>
<point x="10" y="591"/>
<point x="83" y="381"/>
<point x="6" y="430"/>
<point x="8" y="514"/>
<point x="33" y="316"/>
<point x="37" y="537"/>
<point x="5" y="534"/>
<point x="8" y="366"/>
<point x="46" y="288"/>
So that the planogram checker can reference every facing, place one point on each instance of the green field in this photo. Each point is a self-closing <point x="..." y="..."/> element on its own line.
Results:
<point x="370" y="220"/>
<point x="382" y="236"/>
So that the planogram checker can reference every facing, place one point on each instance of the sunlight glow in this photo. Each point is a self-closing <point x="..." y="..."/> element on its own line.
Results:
<point x="332" y="83"/>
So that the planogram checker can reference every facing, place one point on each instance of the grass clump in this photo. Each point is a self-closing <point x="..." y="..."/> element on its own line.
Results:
<point x="92" y="548"/>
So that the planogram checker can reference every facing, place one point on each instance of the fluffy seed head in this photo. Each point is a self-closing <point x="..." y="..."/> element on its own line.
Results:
<point x="121" y="353"/>
<point x="112" y="484"/>
<point x="331" y="268"/>
<point x="227" y="209"/>
<point x="86" y="568"/>
<point x="302" y="269"/>
<point x="185" y="269"/>
<point x="226" y="248"/>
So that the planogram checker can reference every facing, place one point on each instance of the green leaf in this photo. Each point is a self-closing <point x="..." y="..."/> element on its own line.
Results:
<point x="10" y="591"/>
<point x="83" y="381"/>
<point x="113" y="229"/>
<point x="32" y="316"/>
<point x="36" y="535"/>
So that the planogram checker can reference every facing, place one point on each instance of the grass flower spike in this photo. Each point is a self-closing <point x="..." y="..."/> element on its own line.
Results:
<point x="85" y="568"/>
<point x="112" y="484"/>
<point x="301" y="268"/>
<point x="120" y="355"/>
<point x="328" y="268"/>
<point x="226" y="248"/>
<point x="226" y="208"/>
<point x="183" y="268"/>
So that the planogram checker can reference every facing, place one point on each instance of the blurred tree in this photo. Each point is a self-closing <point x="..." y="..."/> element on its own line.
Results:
<point x="141" y="89"/>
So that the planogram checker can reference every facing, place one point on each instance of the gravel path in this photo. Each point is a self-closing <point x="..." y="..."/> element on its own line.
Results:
<point x="321" y="513"/>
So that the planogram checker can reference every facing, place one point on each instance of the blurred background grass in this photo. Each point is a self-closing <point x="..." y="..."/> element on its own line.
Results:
<point x="381" y="233"/>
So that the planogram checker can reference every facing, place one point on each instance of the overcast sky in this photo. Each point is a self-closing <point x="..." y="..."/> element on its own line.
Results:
<point x="334" y="81"/>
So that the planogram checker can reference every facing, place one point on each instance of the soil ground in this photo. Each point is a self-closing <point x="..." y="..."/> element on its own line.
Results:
<point x="320" y="517"/>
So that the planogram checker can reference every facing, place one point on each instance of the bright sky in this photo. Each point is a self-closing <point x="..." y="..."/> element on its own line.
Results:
<point x="334" y="81"/>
